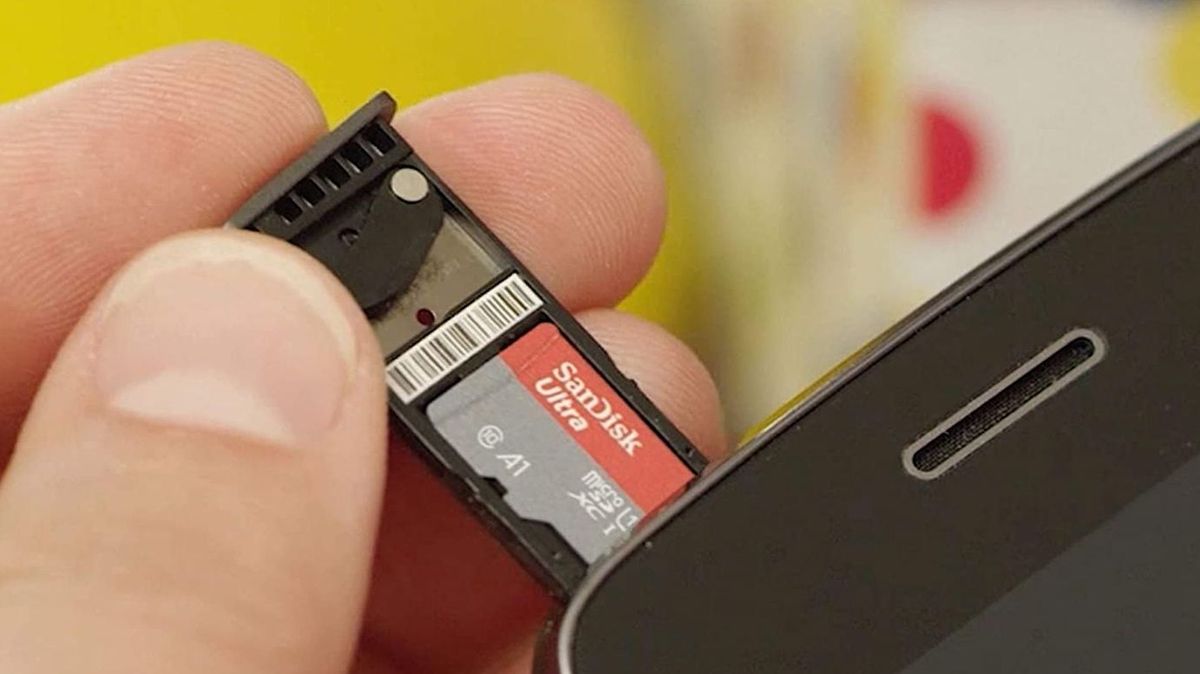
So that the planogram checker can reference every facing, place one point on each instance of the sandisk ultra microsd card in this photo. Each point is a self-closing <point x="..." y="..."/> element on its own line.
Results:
<point x="490" y="379"/>
<point x="567" y="449"/>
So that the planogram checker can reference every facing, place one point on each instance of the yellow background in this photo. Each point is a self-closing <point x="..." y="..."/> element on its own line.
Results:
<point x="349" y="49"/>
<point x="1183" y="59"/>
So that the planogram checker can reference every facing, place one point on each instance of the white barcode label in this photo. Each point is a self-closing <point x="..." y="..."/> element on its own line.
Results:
<point x="461" y="337"/>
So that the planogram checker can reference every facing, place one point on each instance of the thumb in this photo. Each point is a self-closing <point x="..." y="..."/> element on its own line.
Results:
<point x="196" y="488"/>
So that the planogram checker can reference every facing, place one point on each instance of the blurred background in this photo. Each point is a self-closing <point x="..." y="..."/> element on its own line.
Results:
<point x="833" y="163"/>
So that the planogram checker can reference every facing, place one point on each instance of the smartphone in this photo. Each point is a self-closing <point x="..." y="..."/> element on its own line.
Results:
<point x="1007" y="481"/>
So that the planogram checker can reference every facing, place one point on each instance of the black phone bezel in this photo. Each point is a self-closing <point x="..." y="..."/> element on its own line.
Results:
<point x="556" y="648"/>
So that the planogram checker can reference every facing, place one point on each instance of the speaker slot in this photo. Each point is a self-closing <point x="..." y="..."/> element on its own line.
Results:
<point x="1003" y="404"/>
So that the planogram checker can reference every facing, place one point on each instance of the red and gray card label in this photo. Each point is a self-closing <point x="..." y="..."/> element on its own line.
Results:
<point x="569" y="451"/>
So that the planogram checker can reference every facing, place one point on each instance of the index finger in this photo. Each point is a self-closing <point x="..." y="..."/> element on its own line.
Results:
<point x="96" y="169"/>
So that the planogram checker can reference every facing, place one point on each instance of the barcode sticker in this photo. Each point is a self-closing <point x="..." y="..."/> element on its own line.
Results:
<point x="462" y="336"/>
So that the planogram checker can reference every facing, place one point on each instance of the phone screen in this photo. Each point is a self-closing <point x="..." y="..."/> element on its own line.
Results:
<point x="1124" y="599"/>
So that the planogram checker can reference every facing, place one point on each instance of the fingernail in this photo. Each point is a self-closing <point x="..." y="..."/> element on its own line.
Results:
<point x="217" y="331"/>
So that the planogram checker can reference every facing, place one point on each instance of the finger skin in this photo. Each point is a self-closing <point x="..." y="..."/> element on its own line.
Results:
<point x="133" y="543"/>
<point x="558" y="171"/>
<point x="97" y="169"/>
<point x="554" y="169"/>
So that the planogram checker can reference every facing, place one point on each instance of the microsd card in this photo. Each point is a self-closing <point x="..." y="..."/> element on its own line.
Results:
<point x="490" y="379"/>
<point x="566" y="448"/>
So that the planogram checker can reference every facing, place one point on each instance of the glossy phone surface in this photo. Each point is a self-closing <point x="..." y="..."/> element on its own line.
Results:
<point x="1067" y="541"/>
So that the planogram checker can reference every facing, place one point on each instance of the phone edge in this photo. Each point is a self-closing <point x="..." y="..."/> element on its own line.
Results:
<point x="554" y="648"/>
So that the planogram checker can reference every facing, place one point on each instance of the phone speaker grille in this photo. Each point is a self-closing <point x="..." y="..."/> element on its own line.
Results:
<point x="1003" y="404"/>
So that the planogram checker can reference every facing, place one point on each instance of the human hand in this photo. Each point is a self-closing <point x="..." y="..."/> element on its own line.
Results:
<point x="198" y="484"/>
